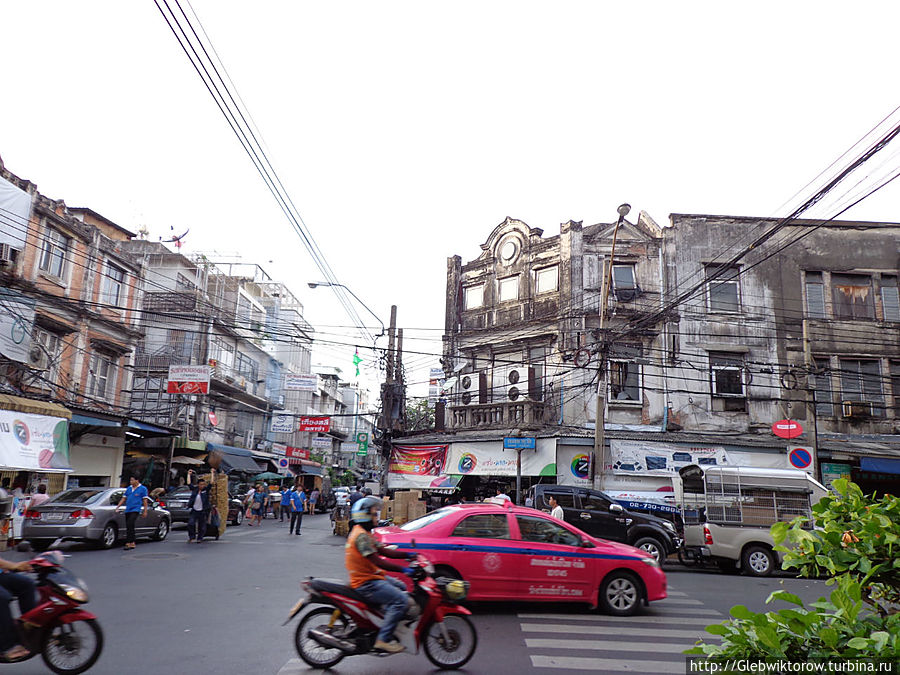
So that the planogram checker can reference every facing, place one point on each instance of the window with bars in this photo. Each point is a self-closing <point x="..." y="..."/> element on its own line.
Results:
<point x="890" y="300"/>
<point x="815" y="295"/>
<point x="53" y="253"/>
<point x="852" y="296"/>
<point x="821" y="385"/>
<point x="895" y="387"/>
<point x="723" y="292"/>
<point x="861" y="383"/>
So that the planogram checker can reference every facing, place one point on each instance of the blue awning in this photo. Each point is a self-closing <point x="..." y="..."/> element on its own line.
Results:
<point x="311" y="470"/>
<point x="91" y="421"/>
<point x="879" y="465"/>
<point x="152" y="428"/>
<point x="234" y="459"/>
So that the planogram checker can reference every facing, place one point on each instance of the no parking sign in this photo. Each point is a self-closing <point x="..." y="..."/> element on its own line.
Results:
<point x="801" y="458"/>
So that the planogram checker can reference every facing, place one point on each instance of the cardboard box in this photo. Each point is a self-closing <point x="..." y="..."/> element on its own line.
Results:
<point x="415" y="510"/>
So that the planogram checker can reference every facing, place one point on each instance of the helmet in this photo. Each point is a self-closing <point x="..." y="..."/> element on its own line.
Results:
<point x="367" y="491"/>
<point x="361" y="512"/>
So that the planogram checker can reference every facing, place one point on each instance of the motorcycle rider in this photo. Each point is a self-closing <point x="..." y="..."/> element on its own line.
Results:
<point x="14" y="585"/>
<point x="365" y="560"/>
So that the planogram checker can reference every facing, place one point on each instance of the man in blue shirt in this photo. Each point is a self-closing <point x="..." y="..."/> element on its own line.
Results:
<point x="135" y="500"/>
<point x="298" y="504"/>
<point x="286" y="502"/>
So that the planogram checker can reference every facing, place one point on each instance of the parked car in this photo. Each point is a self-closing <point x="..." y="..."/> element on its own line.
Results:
<point x="511" y="552"/>
<point x="176" y="501"/>
<point x="600" y="516"/>
<point x="89" y="514"/>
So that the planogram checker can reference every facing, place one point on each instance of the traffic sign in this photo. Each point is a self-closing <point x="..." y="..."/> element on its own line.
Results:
<point x="800" y="458"/>
<point x="362" y="452"/>
<point x="362" y="437"/>
<point x="787" y="429"/>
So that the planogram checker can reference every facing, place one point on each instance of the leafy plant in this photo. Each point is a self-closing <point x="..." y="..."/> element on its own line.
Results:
<point x="855" y="542"/>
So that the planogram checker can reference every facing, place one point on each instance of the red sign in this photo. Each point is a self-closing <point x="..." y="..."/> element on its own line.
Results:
<point x="298" y="453"/>
<point x="422" y="460"/>
<point x="787" y="429"/>
<point x="322" y="424"/>
<point x="188" y="380"/>
<point x="213" y="419"/>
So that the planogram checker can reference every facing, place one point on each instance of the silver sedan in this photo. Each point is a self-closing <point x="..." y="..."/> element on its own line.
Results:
<point x="89" y="514"/>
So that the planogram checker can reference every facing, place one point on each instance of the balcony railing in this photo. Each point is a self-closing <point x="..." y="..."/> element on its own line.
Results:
<point x="519" y="414"/>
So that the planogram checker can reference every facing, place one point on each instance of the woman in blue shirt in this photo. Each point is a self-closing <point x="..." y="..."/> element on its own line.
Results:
<point x="259" y="502"/>
<point x="135" y="500"/>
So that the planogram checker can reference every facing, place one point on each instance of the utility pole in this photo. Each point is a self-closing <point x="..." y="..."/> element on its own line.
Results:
<point x="600" y="412"/>
<point x="385" y="421"/>
<point x="811" y="397"/>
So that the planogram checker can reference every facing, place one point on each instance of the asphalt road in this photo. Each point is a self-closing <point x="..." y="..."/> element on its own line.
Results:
<point x="170" y="607"/>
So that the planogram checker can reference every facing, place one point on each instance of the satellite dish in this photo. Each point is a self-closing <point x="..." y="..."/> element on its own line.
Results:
<point x="462" y="363"/>
<point x="448" y="384"/>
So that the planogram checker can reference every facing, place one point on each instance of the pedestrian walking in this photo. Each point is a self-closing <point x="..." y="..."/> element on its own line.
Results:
<point x="258" y="504"/>
<point x="298" y="505"/>
<point x="313" y="498"/>
<point x="275" y="502"/>
<point x="555" y="509"/>
<point x="354" y="497"/>
<point x="135" y="500"/>
<point x="198" y="506"/>
<point x="286" y="503"/>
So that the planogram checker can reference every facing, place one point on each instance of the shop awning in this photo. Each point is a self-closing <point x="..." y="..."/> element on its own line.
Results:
<point x="310" y="468"/>
<point x="91" y="421"/>
<point x="879" y="465"/>
<point x="150" y="428"/>
<point x="235" y="459"/>
<point x="192" y="461"/>
<point x="33" y="407"/>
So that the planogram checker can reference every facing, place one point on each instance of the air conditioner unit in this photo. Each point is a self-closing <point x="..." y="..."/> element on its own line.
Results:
<point x="248" y="438"/>
<point x="512" y="383"/>
<point x="8" y="255"/>
<point x="856" y="409"/>
<point x="472" y="388"/>
<point x="37" y="358"/>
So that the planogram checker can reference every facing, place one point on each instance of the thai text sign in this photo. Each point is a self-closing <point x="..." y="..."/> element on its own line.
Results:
<point x="188" y="380"/>
<point x="321" y="442"/>
<point x="320" y="424"/>
<point x="293" y="382"/>
<point x="297" y="453"/>
<point x="282" y="423"/>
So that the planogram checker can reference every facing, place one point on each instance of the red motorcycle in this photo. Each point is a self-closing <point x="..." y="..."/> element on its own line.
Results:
<point x="346" y="624"/>
<point x="67" y="637"/>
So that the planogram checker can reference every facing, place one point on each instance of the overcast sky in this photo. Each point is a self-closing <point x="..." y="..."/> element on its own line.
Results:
<point x="406" y="131"/>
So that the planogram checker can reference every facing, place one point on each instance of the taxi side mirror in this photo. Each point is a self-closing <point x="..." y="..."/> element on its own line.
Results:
<point x="587" y="544"/>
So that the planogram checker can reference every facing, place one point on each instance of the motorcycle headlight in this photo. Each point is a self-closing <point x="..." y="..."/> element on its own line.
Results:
<point x="75" y="593"/>
<point x="456" y="590"/>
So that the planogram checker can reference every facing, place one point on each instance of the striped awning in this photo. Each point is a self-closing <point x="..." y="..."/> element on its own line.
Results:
<point x="33" y="406"/>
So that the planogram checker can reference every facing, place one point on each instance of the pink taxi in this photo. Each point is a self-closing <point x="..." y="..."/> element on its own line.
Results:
<point x="516" y="553"/>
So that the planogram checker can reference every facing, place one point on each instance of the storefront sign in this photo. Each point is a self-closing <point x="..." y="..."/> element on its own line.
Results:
<point x="294" y="382"/>
<point x="321" y="442"/>
<point x="349" y="447"/>
<point x="188" y="380"/>
<point x="490" y="459"/>
<point x="831" y="472"/>
<point x="33" y="442"/>
<point x="296" y="453"/>
<point x="16" y="324"/>
<point x="417" y="466"/>
<point x="518" y="442"/>
<point x="573" y="465"/>
<point x="661" y="459"/>
<point x="282" y="423"/>
<point x="279" y="448"/>
<point x="315" y="424"/>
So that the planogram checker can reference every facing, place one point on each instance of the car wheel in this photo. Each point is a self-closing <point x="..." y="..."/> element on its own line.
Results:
<point x="109" y="537"/>
<point x="445" y="571"/>
<point x="238" y="517"/>
<point x="652" y="546"/>
<point x="162" y="530"/>
<point x="758" y="561"/>
<point x="620" y="594"/>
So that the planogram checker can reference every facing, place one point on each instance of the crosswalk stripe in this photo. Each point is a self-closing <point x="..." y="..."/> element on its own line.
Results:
<point x="677" y="601"/>
<point x="694" y="610"/>
<point x="606" y="645"/>
<point x="607" y="665"/>
<point x="612" y="630"/>
<point x="672" y="620"/>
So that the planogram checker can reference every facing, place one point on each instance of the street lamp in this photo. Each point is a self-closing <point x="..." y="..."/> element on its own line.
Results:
<point x="316" y="284"/>
<point x="600" y="412"/>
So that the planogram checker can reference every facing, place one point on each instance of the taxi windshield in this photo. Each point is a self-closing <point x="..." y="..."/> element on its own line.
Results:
<point x="432" y="517"/>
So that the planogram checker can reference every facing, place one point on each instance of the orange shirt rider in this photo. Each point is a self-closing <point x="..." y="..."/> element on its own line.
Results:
<point x="364" y="556"/>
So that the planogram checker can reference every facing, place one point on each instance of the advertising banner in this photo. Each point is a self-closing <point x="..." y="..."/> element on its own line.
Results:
<point x="320" y="424"/>
<point x="419" y="466"/>
<point x="296" y="453"/>
<point x="321" y="442"/>
<point x="294" y="382"/>
<point x="349" y="447"/>
<point x="573" y="465"/>
<point x="188" y="380"/>
<point x="282" y="422"/>
<point x="33" y="442"/>
<point x="490" y="459"/>
<point x="661" y="459"/>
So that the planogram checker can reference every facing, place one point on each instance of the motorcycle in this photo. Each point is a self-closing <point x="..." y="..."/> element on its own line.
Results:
<point x="344" y="624"/>
<point x="67" y="637"/>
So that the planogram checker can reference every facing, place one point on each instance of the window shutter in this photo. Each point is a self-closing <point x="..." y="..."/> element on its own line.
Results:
<point x="890" y="300"/>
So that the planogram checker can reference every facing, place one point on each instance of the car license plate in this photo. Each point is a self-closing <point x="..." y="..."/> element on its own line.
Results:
<point x="54" y="516"/>
<point x="177" y="503"/>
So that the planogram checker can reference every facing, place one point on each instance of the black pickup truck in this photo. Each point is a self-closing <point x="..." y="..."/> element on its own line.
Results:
<point x="599" y="515"/>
